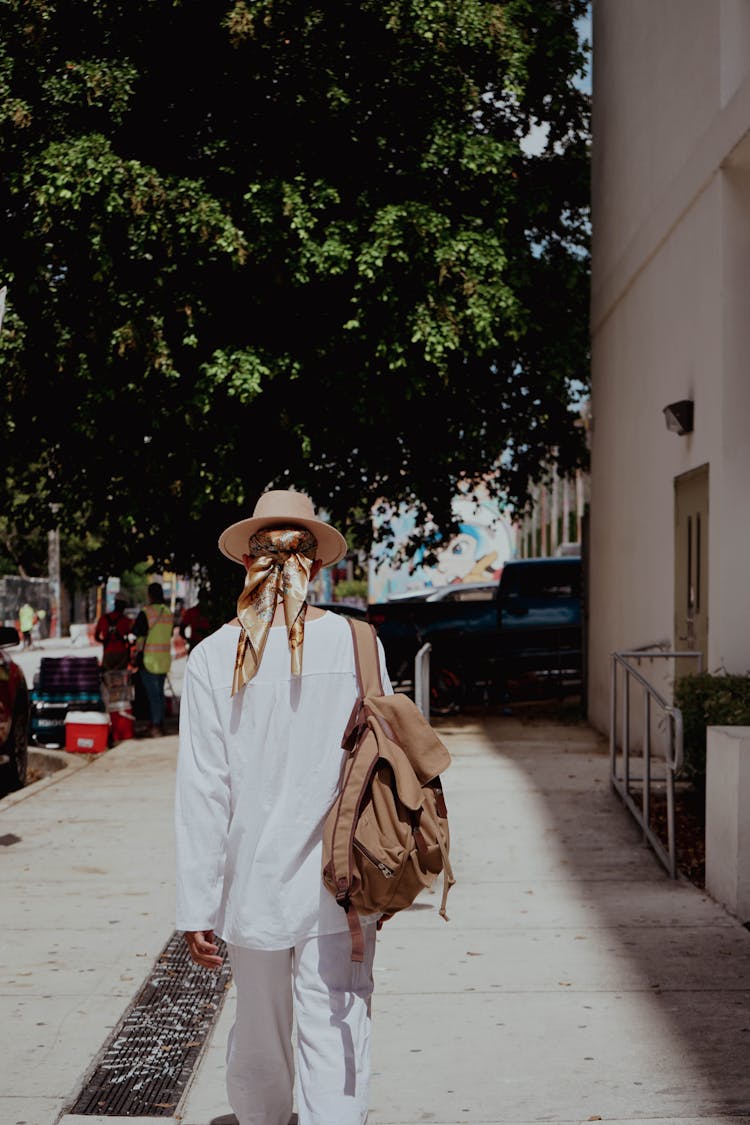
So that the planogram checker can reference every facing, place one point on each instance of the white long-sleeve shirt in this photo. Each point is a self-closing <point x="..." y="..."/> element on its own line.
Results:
<point x="256" y="775"/>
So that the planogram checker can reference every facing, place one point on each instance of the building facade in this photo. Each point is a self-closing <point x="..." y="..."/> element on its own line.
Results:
<point x="554" y="524"/>
<point x="669" y="534"/>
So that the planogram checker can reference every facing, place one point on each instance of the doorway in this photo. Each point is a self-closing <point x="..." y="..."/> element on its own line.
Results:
<point x="691" y="566"/>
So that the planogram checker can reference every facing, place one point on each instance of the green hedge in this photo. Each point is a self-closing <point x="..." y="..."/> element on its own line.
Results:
<point x="350" y="588"/>
<point x="709" y="700"/>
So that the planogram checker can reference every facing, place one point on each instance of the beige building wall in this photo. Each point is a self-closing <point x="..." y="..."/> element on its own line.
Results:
<point x="670" y="318"/>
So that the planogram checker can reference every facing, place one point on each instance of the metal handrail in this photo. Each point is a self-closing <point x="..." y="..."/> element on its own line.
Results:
<point x="422" y="679"/>
<point x="674" y="758"/>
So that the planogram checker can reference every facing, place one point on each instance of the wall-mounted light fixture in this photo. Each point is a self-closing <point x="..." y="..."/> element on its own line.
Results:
<point x="679" y="416"/>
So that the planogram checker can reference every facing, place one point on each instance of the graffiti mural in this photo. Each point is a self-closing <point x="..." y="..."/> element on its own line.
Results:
<point x="485" y="540"/>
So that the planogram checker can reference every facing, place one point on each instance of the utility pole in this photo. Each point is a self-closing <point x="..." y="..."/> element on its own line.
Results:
<point x="53" y="555"/>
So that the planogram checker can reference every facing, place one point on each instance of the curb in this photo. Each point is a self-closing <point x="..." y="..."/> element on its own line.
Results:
<point x="65" y="765"/>
<point x="53" y="760"/>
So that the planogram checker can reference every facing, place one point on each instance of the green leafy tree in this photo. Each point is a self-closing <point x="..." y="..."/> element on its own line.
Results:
<point x="270" y="242"/>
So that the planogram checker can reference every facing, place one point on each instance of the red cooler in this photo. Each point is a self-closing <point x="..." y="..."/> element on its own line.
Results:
<point x="86" y="732"/>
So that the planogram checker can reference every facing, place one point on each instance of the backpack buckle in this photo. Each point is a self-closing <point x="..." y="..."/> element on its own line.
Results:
<point x="342" y="894"/>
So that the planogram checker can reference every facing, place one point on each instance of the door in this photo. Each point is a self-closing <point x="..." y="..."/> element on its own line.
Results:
<point x="691" y="566"/>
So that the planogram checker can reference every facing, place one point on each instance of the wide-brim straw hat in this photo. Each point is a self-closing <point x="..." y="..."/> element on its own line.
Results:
<point x="281" y="508"/>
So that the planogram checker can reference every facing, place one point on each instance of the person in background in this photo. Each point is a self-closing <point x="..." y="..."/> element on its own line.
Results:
<point x="194" y="626"/>
<point x="179" y="609"/>
<point x="153" y="652"/>
<point x="26" y="619"/>
<point x="113" y="633"/>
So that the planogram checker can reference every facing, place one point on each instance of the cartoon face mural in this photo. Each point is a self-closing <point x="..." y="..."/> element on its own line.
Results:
<point x="462" y="560"/>
<point x="476" y="553"/>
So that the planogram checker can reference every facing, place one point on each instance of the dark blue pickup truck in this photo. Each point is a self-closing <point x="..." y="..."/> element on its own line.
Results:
<point x="491" y="640"/>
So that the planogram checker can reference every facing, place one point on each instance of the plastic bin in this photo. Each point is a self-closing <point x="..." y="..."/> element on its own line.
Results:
<point x="86" y="732"/>
<point x="123" y="725"/>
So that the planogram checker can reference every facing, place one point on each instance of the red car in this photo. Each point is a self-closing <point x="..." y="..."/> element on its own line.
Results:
<point x="14" y="716"/>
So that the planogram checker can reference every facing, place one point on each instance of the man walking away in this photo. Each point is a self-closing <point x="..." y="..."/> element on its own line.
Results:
<point x="153" y="645"/>
<point x="258" y="768"/>
<point x="112" y="632"/>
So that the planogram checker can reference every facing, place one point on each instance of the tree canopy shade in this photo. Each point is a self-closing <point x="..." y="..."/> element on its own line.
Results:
<point x="267" y="242"/>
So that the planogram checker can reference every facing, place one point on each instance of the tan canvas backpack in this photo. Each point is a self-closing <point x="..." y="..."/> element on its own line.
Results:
<point x="385" y="839"/>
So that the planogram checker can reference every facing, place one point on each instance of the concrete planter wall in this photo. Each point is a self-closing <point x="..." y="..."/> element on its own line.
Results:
<point x="727" y="823"/>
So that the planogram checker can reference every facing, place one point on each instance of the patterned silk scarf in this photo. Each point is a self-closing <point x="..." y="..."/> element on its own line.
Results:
<point x="280" y="568"/>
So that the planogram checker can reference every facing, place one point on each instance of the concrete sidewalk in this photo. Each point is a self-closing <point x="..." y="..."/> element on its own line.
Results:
<point x="574" y="981"/>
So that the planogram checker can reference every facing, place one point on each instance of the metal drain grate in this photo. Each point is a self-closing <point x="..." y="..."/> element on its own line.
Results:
<point x="147" y="1061"/>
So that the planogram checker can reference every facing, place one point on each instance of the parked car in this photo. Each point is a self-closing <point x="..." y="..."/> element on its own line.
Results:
<point x="457" y="627"/>
<point x="343" y="608"/>
<point x="14" y="716"/>
<point x="455" y="592"/>
<point x="526" y="627"/>
<point x="540" y="624"/>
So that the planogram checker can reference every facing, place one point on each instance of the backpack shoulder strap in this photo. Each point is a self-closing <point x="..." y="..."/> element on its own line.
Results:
<point x="366" y="657"/>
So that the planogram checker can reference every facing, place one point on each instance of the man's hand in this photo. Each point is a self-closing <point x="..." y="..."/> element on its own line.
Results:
<point x="203" y="948"/>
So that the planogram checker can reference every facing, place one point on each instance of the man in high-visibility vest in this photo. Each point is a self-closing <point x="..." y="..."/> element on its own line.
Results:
<point x="26" y="619"/>
<point x="153" y="647"/>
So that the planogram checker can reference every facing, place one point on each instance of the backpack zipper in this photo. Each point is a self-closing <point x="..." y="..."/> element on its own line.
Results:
<point x="383" y="868"/>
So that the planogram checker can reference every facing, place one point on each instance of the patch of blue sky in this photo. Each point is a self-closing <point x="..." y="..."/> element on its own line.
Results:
<point x="583" y="82"/>
<point x="535" y="140"/>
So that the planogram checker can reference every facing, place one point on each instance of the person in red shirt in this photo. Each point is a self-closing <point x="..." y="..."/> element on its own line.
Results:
<point x="194" y="626"/>
<point x="113" y="633"/>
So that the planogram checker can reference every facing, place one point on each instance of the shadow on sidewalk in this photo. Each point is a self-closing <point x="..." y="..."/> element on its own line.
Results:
<point x="673" y="951"/>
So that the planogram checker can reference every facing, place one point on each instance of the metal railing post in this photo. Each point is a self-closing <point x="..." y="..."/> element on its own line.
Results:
<point x="626" y="732"/>
<point x="646" y="795"/>
<point x="613" y="718"/>
<point x="422" y="680"/>
<point x="675" y="750"/>
<point x="671" y="769"/>
<point x="678" y="756"/>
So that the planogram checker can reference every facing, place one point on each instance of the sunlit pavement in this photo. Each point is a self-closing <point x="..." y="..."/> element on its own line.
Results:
<point x="575" y="981"/>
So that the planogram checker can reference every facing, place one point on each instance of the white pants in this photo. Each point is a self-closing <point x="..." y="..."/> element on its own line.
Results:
<point x="317" y="983"/>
